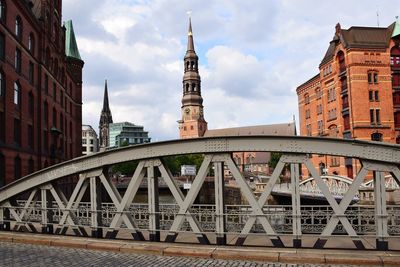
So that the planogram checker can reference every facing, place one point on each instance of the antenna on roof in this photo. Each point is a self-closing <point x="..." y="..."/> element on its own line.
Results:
<point x="377" y="15"/>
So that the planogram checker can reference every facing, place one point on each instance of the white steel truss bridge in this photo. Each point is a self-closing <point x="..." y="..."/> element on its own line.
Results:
<point x="38" y="203"/>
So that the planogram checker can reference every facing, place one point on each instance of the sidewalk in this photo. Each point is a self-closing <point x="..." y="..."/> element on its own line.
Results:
<point x="282" y="255"/>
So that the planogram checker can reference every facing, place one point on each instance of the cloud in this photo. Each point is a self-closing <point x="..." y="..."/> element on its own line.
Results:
<point x="253" y="55"/>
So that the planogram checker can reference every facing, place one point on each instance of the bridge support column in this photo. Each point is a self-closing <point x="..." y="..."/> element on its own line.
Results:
<point x="95" y="206"/>
<point x="5" y="219"/>
<point x="219" y="185"/>
<point x="296" y="215"/>
<point x="153" y="202"/>
<point x="47" y="212"/>
<point x="381" y="216"/>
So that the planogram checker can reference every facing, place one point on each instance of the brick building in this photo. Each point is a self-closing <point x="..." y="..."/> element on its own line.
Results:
<point x="40" y="88"/>
<point x="356" y="93"/>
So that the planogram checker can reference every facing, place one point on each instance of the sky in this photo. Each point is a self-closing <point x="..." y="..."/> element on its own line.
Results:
<point x="252" y="55"/>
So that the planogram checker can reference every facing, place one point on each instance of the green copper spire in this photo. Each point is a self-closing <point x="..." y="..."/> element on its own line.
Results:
<point x="71" y="48"/>
<point x="396" y="30"/>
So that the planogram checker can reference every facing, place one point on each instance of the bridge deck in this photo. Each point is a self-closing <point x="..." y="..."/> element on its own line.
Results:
<point x="311" y="257"/>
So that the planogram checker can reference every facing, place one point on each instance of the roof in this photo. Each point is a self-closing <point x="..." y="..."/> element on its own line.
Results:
<point x="371" y="37"/>
<point x="71" y="48"/>
<point x="271" y="129"/>
<point x="315" y="78"/>
<point x="362" y="37"/>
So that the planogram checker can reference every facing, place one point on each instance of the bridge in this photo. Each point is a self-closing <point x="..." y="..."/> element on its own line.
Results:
<point x="37" y="203"/>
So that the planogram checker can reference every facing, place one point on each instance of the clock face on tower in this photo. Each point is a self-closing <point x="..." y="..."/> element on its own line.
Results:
<point x="187" y="110"/>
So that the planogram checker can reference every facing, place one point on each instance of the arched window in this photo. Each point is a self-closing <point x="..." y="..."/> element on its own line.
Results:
<point x="17" y="168"/>
<point x="17" y="94"/>
<point x="18" y="27"/>
<point x="194" y="87"/>
<point x="187" y="87"/>
<point x="187" y="65"/>
<point x="2" y="169"/>
<point x="341" y="61"/>
<point x="192" y="65"/>
<point x="31" y="43"/>
<point x="2" y="10"/>
<point x="46" y="113"/>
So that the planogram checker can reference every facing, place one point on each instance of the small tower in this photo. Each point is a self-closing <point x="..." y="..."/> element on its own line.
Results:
<point x="192" y="123"/>
<point x="105" y="120"/>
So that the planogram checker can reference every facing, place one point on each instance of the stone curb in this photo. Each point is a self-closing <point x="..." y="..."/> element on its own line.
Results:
<point x="306" y="256"/>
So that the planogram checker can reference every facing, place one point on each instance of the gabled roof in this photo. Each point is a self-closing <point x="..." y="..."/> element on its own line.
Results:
<point x="71" y="48"/>
<point x="271" y="129"/>
<point x="396" y="30"/>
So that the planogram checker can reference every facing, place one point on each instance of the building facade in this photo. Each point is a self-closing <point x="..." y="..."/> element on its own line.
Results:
<point x="105" y="120"/>
<point x="126" y="133"/>
<point x="89" y="140"/>
<point x="192" y="123"/>
<point x="40" y="88"/>
<point x="356" y="93"/>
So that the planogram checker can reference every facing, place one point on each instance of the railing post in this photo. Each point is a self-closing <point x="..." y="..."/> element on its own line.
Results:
<point x="296" y="215"/>
<point x="95" y="207"/>
<point x="381" y="216"/>
<point x="219" y="184"/>
<point x="154" y="208"/>
<point x="47" y="212"/>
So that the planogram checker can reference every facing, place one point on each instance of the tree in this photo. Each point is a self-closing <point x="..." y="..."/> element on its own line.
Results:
<point x="174" y="162"/>
<point x="275" y="157"/>
<point x="125" y="168"/>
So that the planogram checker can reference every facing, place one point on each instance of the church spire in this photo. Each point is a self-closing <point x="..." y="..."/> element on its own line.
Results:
<point x="192" y="123"/>
<point x="105" y="120"/>
<point x="105" y="98"/>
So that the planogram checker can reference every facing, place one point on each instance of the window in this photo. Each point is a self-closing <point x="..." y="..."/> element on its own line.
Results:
<point x="2" y="46"/>
<point x="375" y="116"/>
<point x="2" y="10"/>
<point x="306" y="98"/>
<point x="308" y="127"/>
<point x="376" y="137"/>
<point x="54" y="92"/>
<point x="31" y="165"/>
<point x="54" y="117"/>
<point x="378" y="116"/>
<point x="318" y="93"/>
<point x="331" y="94"/>
<point x="320" y="127"/>
<point x="84" y="141"/>
<point x="91" y="141"/>
<point x="376" y="95"/>
<point x="372" y="77"/>
<point x="17" y="94"/>
<point x="62" y="98"/>
<point x="2" y="169"/>
<point x="371" y="116"/>
<point x="46" y="83"/>
<point x="30" y="136"/>
<point x="31" y="104"/>
<point x="46" y="113"/>
<point x="346" y="122"/>
<point x="308" y="114"/>
<point x="17" y="62"/>
<point x="2" y="126"/>
<point x="395" y="56"/>
<point x="31" y="76"/>
<point x="31" y="43"/>
<point x="341" y="61"/>
<point x="17" y="132"/>
<point x="2" y="85"/>
<point x="17" y="168"/>
<point x="45" y="141"/>
<point x="396" y="79"/>
<point x="397" y="120"/>
<point x="18" y="27"/>
<point x="332" y="114"/>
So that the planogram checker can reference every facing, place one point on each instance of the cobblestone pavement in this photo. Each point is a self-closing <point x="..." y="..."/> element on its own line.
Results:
<point x="15" y="255"/>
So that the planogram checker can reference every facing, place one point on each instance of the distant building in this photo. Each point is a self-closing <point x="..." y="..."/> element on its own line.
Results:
<point x="127" y="133"/>
<point x="40" y="88"/>
<point x="89" y="140"/>
<point x="105" y="120"/>
<point x="192" y="123"/>
<point x="356" y="93"/>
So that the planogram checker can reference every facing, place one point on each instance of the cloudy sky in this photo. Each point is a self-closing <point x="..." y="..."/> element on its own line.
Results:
<point x="253" y="54"/>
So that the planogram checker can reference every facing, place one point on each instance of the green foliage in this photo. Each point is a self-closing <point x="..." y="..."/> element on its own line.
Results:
<point x="126" y="168"/>
<point x="174" y="162"/>
<point x="275" y="156"/>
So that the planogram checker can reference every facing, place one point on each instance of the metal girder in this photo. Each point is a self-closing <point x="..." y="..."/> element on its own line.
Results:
<point x="373" y="151"/>
<point x="186" y="202"/>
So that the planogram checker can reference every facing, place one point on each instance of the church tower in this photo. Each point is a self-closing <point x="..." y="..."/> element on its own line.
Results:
<point x="105" y="120"/>
<point x="192" y="123"/>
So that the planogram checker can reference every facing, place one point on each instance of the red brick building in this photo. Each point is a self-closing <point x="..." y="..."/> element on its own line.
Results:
<point x="356" y="93"/>
<point x="40" y="88"/>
